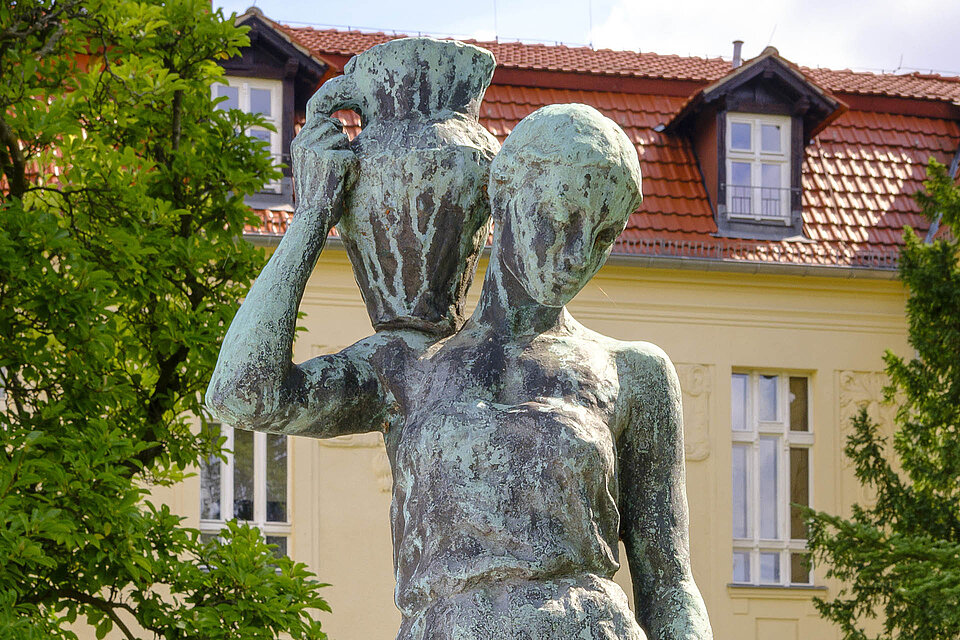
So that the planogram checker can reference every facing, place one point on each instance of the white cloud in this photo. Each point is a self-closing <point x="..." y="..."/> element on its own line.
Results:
<point x="832" y="33"/>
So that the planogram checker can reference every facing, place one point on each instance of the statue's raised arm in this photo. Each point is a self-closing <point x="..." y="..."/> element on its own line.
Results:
<point x="255" y="384"/>
<point x="408" y="197"/>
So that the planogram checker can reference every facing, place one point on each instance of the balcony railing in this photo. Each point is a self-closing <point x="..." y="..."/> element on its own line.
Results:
<point x="759" y="203"/>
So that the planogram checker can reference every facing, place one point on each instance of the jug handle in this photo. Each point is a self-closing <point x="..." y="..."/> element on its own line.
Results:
<point x="335" y="94"/>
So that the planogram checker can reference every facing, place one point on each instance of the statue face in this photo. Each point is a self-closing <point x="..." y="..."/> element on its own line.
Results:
<point x="563" y="221"/>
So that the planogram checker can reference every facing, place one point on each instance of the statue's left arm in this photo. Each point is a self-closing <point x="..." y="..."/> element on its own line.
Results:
<point x="653" y="500"/>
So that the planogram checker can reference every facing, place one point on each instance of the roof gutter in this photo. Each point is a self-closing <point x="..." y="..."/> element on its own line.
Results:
<point x="672" y="262"/>
<point x="758" y="268"/>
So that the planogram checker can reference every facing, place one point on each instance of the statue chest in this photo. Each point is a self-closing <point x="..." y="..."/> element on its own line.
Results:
<point x="512" y="467"/>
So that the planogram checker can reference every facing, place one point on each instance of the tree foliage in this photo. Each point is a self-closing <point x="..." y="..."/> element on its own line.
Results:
<point x="121" y="263"/>
<point x="899" y="558"/>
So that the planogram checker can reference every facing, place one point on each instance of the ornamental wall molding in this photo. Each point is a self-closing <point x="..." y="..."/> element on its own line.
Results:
<point x="864" y="389"/>
<point x="858" y="390"/>
<point x="696" y="383"/>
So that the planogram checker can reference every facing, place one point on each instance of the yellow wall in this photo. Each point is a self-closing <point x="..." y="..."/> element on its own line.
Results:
<point x="832" y="329"/>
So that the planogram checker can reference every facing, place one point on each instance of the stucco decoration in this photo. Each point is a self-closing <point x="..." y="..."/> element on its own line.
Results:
<point x="697" y="383"/>
<point x="524" y="446"/>
<point x="354" y="441"/>
<point x="864" y="389"/>
<point x="861" y="390"/>
<point x="379" y="463"/>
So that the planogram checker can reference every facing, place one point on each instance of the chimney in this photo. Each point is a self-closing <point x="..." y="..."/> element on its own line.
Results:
<point x="737" y="44"/>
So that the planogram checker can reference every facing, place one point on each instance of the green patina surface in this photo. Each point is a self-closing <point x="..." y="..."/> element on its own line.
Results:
<point x="524" y="446"/>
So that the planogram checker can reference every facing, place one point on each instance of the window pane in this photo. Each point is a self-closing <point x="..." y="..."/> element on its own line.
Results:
<point x="261" y="134"/>
<point x="739" y="135"/>
<point x="232" y="94"/>
<point x="741" y="514"/>
<point x="770" y="137"/>
<point x="276" y="478"/>
<point x="207" y="538"/>
<point x="770" y="192"/>
<point x="798" y="404"/>
<point x="260" y="101"/>
<point x="741" y="196"/>
<point x="800" y="568"/>
<point x="768" y="398"/>
<point x="242" y="474"/>
<point x="281" y="542"/>
<point x="770" y="176"/>
<point x="740" y="173"/>
<point x="767" y="480"/>
<point x="741" y="566"/>
<point x="210" y="483"/>
<point x="799" y="490"/>
<point x="770" y="568"/>
<point x="738" y="402"/>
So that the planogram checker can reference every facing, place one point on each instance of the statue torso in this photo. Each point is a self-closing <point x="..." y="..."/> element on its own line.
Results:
<point x="505" y="473"/>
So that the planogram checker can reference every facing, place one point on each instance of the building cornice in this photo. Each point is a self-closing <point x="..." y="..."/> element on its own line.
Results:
<point x="679" y="263"/>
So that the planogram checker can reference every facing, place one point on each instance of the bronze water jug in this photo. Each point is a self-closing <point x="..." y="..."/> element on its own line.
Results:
<point x="417" y="216"/>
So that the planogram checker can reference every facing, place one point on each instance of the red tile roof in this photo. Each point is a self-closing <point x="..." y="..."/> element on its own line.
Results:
<point x="902" y="85"/>
<point x="541" y="57"/>
<point x="858" y="173"/>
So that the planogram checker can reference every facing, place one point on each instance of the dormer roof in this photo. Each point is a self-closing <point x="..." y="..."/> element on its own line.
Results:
<point x="813" y="104"/>
<point x="268" y="35"/>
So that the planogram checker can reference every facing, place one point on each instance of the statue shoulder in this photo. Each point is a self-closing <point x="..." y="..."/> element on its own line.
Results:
<point x="644" y="367"/>
<point x="649" y="387"/>
<point x="389" y="354"/>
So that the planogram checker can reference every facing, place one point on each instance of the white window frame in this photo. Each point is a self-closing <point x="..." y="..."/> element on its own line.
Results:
<point x="757" y="157"/>
<point x="267" y="528"/>
<point x="783" y="544"/>
<point x="275" y="87"/>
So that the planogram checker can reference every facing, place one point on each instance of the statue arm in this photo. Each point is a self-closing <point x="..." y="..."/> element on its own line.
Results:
<point x="654" y="517"/>
<point x="255" y="384"/>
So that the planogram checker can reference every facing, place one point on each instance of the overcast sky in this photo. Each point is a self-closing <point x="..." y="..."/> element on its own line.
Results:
<point x="862" y="35"/>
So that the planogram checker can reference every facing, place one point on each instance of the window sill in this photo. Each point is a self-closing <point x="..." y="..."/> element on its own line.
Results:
<point x="774" y="591"/>
<point x="759" y="219"/>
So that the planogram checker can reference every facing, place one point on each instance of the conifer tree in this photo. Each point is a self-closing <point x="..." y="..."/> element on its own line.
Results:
<point x="899" y="558"/>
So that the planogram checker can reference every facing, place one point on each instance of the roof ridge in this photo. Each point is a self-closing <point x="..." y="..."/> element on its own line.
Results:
<point x="565" y="58"/>
<point x="884" y="74"/>
<point x="602" y="50"/>
<point x="501" y="43"/>
<point x="347" y="31"/>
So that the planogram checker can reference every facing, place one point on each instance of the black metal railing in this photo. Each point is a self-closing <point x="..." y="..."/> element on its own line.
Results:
<point x="750" y="201"/>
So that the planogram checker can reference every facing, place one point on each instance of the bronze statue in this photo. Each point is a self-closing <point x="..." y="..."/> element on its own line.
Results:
<point x="523" y="445"/>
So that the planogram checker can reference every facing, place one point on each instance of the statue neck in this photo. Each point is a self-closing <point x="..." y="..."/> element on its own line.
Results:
<point x="506" y="308"/>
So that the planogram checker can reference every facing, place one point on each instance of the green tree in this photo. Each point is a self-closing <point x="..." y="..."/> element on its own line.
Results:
<point x="899" y="559"/>
<point x="121" y="263"/>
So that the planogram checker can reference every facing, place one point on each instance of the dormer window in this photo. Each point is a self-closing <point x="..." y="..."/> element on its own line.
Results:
<point x="748" y="131"/>
<point x="758" y="167"/>
<point x="274" y="77"/>
<point x="257" y="95"/>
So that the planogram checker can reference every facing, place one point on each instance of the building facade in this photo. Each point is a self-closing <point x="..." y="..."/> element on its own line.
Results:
<point x="762" y="260"/>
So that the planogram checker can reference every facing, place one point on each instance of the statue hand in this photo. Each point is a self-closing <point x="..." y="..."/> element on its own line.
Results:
<point x="324" y="168"/>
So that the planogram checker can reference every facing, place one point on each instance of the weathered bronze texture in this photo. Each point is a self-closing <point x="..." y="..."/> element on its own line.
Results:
<point x="417" y="216"/>
<point x="524" y="446"/>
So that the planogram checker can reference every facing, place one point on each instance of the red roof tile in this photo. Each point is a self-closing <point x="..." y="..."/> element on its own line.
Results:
<point x="541" y="57"/>
<point x="858" y="173"/>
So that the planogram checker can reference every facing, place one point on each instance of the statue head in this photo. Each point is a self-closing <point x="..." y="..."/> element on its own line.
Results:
<point x="561" y="191"/>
